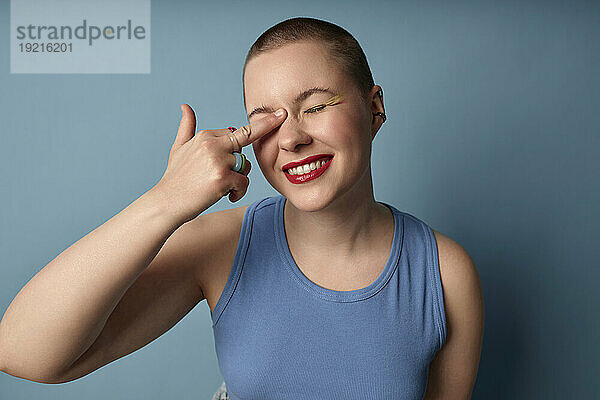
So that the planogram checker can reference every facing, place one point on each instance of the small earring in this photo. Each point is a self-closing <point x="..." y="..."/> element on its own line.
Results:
<point x="380" y="93"/>
<point x="381" y="115"/>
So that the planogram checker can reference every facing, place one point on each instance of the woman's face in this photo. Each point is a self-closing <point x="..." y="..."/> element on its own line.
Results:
<point x="342" y="130"/>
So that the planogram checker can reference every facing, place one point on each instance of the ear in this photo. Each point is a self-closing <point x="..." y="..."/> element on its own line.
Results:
<point x="375" y="99"/>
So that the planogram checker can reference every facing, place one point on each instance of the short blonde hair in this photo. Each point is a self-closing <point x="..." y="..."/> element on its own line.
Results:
<point x="341" y="46"/>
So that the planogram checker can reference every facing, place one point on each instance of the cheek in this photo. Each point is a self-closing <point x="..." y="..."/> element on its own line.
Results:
<point x="350" y="134"/>
<point x="356" y="146"/>
<point x="264" y="153"/>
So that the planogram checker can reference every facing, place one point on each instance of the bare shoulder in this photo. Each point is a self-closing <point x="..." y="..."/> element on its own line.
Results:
<point x="454" y="368"/>
<point x="460" y="279"/>
<point x="213" y="242"/>
<point x="455" y="262"/>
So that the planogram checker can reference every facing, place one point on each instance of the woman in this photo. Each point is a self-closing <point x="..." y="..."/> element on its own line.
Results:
<point x="320" y="288"/>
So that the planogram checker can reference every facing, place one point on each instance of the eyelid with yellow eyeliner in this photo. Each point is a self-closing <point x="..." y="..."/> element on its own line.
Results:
<point x="337" y="99"/>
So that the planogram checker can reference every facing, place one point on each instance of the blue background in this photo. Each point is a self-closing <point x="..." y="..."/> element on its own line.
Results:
<point x="492" y="138"/>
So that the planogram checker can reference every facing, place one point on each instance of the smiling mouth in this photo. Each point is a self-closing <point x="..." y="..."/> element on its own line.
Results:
<point x="315" y="169"/>
<point x="308" y="167"/>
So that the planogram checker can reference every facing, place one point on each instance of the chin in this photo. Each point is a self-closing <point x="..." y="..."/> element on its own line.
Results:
<point x="309" y="201"/>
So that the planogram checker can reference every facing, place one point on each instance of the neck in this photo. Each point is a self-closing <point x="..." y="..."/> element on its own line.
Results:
<point x="353" y="224"/>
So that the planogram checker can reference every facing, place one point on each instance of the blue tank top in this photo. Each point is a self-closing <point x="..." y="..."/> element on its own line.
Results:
<point x="278" y="335"/>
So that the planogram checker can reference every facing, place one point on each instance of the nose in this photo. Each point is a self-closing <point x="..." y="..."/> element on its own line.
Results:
<point x="291" y="135"/>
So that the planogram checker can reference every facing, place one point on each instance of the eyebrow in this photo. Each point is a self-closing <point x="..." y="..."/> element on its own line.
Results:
<point x="305" y="94"/>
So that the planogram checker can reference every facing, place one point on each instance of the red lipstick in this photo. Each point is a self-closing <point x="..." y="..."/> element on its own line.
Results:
<point x="305" y="161"/>
<point x="314" y="174"/>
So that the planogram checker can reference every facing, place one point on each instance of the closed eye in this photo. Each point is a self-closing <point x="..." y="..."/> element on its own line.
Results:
<point x="337" y="99"/>
<point x="315" y="109"/>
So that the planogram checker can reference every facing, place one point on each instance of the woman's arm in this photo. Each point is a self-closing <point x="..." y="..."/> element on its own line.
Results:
<point x="61" y="311"/>
<point x="106" y="295"/>
<point x="453" y="371"/>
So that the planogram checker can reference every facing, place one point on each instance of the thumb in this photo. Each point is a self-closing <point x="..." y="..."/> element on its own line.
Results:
<point x="187" y="126"/>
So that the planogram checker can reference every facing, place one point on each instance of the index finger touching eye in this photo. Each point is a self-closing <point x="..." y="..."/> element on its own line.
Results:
<point x="259" y="127"/>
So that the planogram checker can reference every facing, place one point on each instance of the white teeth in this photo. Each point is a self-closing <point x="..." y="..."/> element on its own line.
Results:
<point x="306" y="168"/>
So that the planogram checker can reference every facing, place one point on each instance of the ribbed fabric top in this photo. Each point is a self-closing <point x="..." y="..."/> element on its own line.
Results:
<point x="278" y="335"/>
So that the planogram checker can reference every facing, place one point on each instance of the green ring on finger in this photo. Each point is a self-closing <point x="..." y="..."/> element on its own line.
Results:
<point x="240" y="162"/>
